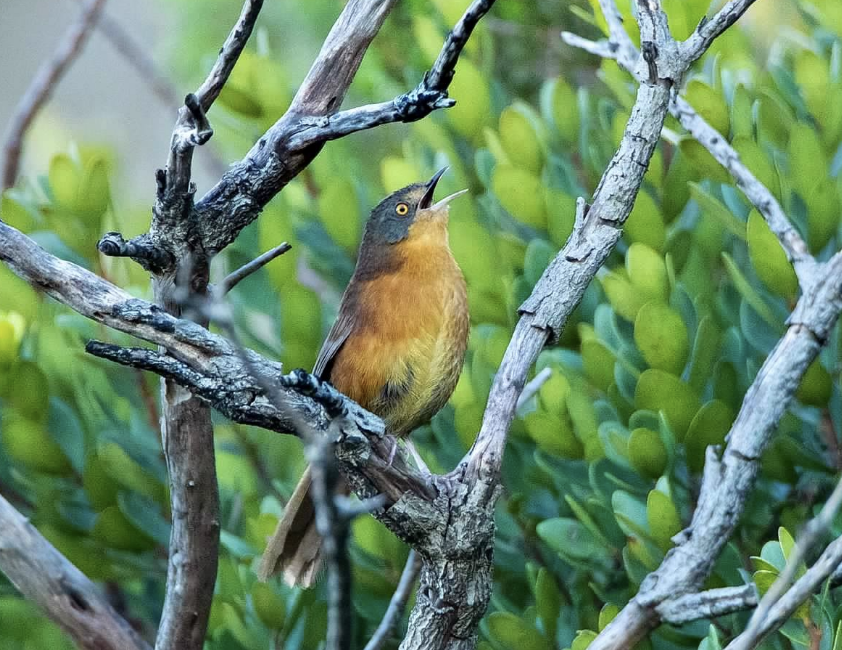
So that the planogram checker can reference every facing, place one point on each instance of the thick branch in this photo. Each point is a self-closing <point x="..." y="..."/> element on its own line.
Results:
<point x="728" y="481"/>
<point x="48" y="579"/>
<point x="42" y="86"/>
<point x="312" y="119"/>
<point x="564" y="282"/>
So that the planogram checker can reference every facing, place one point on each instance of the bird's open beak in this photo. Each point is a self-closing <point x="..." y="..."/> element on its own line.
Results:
<point x="427" y="199"/>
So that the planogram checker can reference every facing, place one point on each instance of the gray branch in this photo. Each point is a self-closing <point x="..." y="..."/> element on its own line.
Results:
<point x="728" y="481"/>
<point x="708" y="30"/>
<point x="42" y="86"/>
<point x="795" y="247"/>
<point x="619" y="48"/>
<point x="777" y="598"/>
<point x="397" y="604"/>
<point x="49" y="580"/>
<point x="707" y="604"/>
<point x="555" y="296"/>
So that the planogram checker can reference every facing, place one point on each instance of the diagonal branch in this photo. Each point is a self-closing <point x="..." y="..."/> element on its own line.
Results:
<point x="42" y="86"/>
<point x="235" y="277"/>
<point x="757" y="193"/>
<point x="397" y="604"/>
<point x="193" y="129"/>
<point x="46" y="577"/>
<point x="563" y="283"/>
<point x="778" y="604"/>
<point x="708" y="30"/>
<point x="794" y="246"/>
<point x="312" y="119"/>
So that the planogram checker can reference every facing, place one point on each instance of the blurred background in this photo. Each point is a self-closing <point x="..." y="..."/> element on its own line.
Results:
<point x="604" y="462"/>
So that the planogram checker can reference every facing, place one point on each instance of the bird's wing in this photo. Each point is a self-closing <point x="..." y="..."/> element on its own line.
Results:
<point x="341" y="330"/>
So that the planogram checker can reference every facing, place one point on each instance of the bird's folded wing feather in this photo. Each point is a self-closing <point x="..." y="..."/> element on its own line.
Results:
<point x="337" y="336"/>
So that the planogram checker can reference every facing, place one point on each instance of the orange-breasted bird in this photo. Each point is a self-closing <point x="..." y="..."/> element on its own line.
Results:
<point x="396" y="348"/>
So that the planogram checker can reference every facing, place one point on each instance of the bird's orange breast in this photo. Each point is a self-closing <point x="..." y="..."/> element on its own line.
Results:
<point x="403" y="358"/>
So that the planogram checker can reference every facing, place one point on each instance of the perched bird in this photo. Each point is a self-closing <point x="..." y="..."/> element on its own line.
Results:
<point x="396" y="348"/>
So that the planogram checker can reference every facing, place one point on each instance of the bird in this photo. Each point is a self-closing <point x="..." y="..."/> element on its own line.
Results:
<point x="396" y="348"/>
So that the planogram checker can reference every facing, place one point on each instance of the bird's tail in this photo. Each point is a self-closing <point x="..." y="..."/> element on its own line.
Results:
<point x="295" y="546"/>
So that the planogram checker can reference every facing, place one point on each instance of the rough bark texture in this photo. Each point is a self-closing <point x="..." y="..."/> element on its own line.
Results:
<point x="448" y="520"/>
<point x="44" y="575"/>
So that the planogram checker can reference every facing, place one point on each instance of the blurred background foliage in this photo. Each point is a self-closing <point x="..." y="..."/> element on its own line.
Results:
<point x="604" y="462"/>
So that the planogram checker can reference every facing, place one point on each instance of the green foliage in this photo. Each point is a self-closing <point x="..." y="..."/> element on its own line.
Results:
<point x="603" y="464"/>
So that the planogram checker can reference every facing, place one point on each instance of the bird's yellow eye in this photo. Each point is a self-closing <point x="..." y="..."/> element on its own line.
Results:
<point x="402" y="209"/>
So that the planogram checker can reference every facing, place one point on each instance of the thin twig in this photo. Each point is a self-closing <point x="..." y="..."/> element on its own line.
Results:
<point x="43" y="85"/>
<point x="759" y="624"/>
<point x="708" y="30"/>
<point x="533" y="386"/>
<point x="137" y="55"/>
<point x="397" y="604"/>
<point x="758" y="194"/>
<point x="707" y="604"/>
<point x="234" y="278"/>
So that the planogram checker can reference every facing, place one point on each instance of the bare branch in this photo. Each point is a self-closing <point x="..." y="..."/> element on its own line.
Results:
<point x="795" y="247"/>
<point x="42" y="86"/>
<point x="762" y="621"/>
<point x="229" y="54"/>
<point x="707" y="604"/>
<point x="728" y="482"/>
<point x="46" y="577"/>
<point x="312" y="118"/>
<point x="708" y="30"/>
<point x="193" y="129"/>
<point x="397" y="604"/>
<point x="324" y="88"/>
<point x="441" y="74"/>
<point x="804" y="587"/>
<point x="532" y="388"/>
<point x="138" y="57"/>
<point x="758" y="194"/>
<point x="563" y="283"/>
<point x="234" y="278"/>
